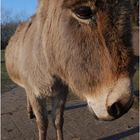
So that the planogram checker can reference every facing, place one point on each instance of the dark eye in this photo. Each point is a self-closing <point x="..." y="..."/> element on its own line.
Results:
<point x="83" y="12"/>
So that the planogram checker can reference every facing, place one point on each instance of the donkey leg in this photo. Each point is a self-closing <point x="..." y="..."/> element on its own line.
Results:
<point x="29" y="109"/>
<point x="40" y="111"/>
<point x="58" y="104"/>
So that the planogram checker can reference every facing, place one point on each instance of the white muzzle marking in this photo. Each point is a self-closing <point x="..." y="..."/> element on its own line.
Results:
<point x="107" y="96"/>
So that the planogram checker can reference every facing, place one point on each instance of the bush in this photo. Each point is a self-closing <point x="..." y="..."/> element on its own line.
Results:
<point x="9" y="23"/>
<point x="135" y="12"/>
<point x="7" y="30"/>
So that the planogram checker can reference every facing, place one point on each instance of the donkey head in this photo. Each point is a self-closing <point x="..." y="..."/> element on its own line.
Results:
<point x="92" y="41"/>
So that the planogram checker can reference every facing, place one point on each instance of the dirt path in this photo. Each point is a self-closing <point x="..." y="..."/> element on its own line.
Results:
<point x="79" y="122"/>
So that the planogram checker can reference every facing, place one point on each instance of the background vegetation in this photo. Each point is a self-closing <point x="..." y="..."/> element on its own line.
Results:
<point x="9" y="23"/>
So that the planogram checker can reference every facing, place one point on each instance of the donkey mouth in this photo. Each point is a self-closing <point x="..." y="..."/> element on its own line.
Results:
<point x="93" y="113"/>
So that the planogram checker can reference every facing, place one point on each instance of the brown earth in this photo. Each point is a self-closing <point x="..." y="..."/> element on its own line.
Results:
<point x="79" y="122"/>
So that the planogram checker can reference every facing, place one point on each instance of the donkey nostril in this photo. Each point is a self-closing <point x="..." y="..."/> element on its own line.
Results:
<point x="115" y="110"/>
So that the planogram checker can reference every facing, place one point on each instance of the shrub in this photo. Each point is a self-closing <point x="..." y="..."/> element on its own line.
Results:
<point x="7" y="30"/>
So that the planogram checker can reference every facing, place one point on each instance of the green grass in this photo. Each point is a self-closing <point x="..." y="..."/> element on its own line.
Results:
<point x="6" y="83"/>
<point x="2" y="55"/>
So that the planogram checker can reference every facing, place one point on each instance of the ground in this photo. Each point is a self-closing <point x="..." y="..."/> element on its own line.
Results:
<point x="79" y="122"/>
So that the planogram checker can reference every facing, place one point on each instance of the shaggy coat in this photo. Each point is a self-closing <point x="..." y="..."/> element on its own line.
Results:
<point x="55" y="50"/>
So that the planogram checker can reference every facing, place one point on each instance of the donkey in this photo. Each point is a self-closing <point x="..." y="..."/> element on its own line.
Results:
<point x="81" y="45"/>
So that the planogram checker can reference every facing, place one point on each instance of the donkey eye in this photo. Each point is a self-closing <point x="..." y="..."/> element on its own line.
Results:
<point x="83" y="12"/>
